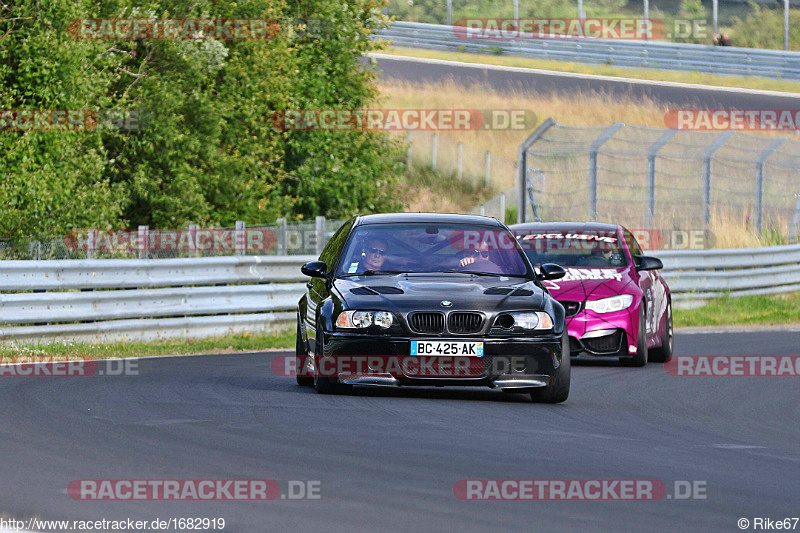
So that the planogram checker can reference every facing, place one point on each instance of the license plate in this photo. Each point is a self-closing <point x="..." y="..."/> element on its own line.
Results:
<point x="447" y="348"/>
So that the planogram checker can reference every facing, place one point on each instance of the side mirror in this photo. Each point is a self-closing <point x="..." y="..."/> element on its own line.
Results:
<point x="315" y="269"/>
<point x="552" y="271"/>
<point x="645" y="262"/>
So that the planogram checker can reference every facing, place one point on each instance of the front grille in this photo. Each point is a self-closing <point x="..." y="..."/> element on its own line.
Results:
<point x="464" y="322"/>
<point x="426" y="322"/>
<point x="571" y="308"/>
<point x="607" y="344"/>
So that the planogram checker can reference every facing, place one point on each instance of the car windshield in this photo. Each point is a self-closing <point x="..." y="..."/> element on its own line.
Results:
<point x="573" y="248"/>
<point x="432" y="247"/>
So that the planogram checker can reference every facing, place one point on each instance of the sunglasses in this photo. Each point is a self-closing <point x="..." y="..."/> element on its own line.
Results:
<point x="483" y="253"/>
<point x="376" y="251"/>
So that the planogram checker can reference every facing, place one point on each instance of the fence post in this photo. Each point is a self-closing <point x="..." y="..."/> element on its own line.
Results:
<point x="503" y="207"/>
<point x="795" y="219"/>
<point x="458" y="163"/>
<point x="91" y="243"/>
<point x="483" y="210"/>
<point x="193" y="238"/>
<point x="488" y="169"/>
<point x="320" y="227"/>
<point x="408" y="152"/>
<point x="434" y="142"/>
<point x="239" y="237"/>
<point x="280" y="224"/>
<point x="537" y="217"/>
<point x="522" y="166"/>
<point x="651" y="173"/>
<point x="144" y="241"/>
<point x="593" y="150"/>
<point x="758" y="208"/>
<point x="707" y="175"/>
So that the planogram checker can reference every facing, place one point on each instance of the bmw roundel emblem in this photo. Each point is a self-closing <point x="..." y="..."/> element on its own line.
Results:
<point x="446" y="303"/>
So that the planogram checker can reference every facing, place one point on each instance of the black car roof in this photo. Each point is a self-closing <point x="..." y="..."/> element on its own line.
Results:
<point x="566" y="226"/>
<point x="441" y="218"/>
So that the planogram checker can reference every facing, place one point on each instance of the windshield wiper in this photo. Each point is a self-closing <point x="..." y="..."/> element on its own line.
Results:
<point x="478" y="273"/>
<point x="372" y="273"/>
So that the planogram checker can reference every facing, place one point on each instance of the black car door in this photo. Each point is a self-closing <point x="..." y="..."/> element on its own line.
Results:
<point x="318" y="289"/>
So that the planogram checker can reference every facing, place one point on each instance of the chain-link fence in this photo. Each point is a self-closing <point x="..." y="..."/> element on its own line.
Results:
<point x="659" y="178"/>
<point x="481" y="167"/>
<point x="279" y="238"/>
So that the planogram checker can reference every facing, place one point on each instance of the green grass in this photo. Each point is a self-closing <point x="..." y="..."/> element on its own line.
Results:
<point x="603" y="70"/>
<point x="244" y="342"/>
<point x="743" y="310"/>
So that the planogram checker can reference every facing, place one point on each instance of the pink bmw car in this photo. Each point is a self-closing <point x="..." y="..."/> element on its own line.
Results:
<point x="616" y="302"/>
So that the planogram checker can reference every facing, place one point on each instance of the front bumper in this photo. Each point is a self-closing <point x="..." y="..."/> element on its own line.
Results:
<point x="508" y="363"/>
<point x="610" y="334"/>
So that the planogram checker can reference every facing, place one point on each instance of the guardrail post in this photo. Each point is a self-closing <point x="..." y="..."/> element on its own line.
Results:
<point x="593" y="150"/>
<point x="239" y="237"/>
<point x="522" y="166"/>
<point x="758" y="208"/>
<point x="320" y="227"/>
<point x="707" y="175"/>
<point x="651" y="173"/>
<point x="434" y="143"/>
<point x="144" y="241"/>
<point x="195" y="251"/>
<point x="488" y="169"/>
<point x="459" y="160"/>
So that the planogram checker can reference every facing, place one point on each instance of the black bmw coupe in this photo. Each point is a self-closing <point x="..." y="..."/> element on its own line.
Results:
<point x="430" y="300"/>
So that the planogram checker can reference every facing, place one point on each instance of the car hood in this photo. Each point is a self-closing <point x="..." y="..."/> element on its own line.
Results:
<point x="582" y="284"/>
<point x="412" y="292"/>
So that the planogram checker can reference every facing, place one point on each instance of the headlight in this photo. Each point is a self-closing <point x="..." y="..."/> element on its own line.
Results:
<point x="609" y="305"/>
<point x="364" y="319"/>
<point x="532" y="320"/>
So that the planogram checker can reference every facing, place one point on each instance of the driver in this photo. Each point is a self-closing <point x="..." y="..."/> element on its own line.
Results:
<point x="375" y="251"/>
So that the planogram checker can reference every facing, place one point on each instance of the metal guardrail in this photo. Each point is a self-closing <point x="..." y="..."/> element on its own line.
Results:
<point x="107" y="300"/>
<point x="132" y="299"/>
<point x="728" y="60"/>
<point x="694" y="276"/>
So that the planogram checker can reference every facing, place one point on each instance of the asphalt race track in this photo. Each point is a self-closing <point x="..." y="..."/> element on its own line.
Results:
<point x="388" y="460"/>
<point x="531" y="82"/>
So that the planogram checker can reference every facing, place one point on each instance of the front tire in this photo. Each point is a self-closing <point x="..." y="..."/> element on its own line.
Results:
<point x="323" y="384"/>
<point x="300" y="355"/>
<point x="664" y="353"/>
<point x="558" y="390"/>
<point x="640" y="359"/>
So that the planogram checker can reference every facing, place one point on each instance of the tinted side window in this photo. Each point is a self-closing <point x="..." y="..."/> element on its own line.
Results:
<point x="633" y="246"/>
<point x="334" y="246"/>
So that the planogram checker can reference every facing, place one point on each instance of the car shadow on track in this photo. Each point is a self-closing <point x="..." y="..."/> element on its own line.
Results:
<point x="434" y="393"/>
